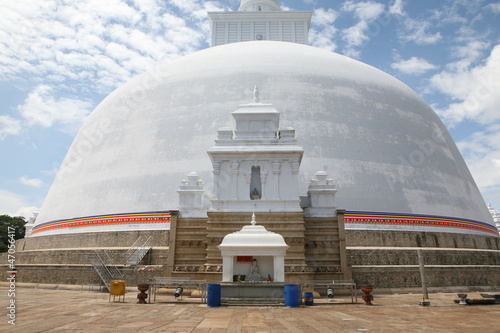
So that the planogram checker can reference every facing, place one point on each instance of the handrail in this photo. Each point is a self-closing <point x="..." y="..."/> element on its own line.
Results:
<point x="116" y="272"/>
<point x="349" y="284"/>
<point x="101" y="269"/>
<point x="105" y="267"/>
<point x="139" y="252"/>
<point x="131" y="250"/>
<point x="162" y="282"/>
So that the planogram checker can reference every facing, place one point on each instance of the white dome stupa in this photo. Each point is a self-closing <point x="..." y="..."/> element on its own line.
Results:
<point x="393" y="161"/>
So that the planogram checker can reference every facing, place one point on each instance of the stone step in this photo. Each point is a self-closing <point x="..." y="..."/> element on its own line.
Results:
<point x="252" y="301"/>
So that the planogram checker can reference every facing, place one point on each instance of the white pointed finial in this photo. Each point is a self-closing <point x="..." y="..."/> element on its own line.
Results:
<point x="256" y="98"/>
<point x="254" y="5"/>
<point x="253" y="219"/>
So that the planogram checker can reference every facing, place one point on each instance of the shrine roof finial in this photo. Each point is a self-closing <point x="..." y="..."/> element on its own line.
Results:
<point x="256" y="98"/>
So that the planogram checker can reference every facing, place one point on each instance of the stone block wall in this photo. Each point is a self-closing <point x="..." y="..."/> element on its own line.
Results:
<point x="76" y="274"/>
<point x="389" y="259"/>
<point x="402" y="277"/>
<point x="405" y="256"/>
<point x="389" y="238"/>
<point x="122" y="239"/>
<point x="64" y="259"/>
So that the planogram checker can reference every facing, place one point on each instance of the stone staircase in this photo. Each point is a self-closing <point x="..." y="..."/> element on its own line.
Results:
<point x="104" y="267"/>
<point x="137" y="251"/>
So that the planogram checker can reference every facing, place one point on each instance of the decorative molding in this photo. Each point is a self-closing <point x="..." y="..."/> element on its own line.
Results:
<point x="198" y="268"/>
<point x="103" y="220"/>
<point x="414" y="220"/>
<point x="315" y="269"/>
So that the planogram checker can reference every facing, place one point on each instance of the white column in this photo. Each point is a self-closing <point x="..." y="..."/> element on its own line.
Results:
<point x="227" y="268"/>
<point x="279" y="268"/>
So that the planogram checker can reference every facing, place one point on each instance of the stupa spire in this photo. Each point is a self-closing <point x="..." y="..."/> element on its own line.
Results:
<point x="259" y="6"/>
<point x="256" y="94"/>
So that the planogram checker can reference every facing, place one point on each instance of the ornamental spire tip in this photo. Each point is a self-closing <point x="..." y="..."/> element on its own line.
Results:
<point x="256" y="94"/>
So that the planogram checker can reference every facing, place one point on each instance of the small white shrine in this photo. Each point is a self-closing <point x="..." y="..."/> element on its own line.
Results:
<point x="253" y="254"/>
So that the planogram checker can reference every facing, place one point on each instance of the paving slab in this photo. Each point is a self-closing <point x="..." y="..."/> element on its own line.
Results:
<point x="49" y="310"/>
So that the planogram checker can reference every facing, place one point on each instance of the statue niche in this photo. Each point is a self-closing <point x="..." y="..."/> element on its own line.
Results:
<point x="254" y="274"/>
<point x="255" y="184"/>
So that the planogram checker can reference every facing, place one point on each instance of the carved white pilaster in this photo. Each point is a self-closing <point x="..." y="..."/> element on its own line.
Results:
<point x="216" y="173"/>
<point x="248" y="177"/>
<point x="234" y="179"/>
<point x="295" y="176"/>
<point x="263" y="176"/>
<point x="276" y="173"/>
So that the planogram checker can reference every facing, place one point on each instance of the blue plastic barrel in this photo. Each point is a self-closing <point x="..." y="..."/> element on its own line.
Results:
<point x="213" y="297"/>
<point x="292" y="295"/>
<point x="308" y="298"/>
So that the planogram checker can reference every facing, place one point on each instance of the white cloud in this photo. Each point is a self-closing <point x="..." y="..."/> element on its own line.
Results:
<point x="323" y="31"/>
<point x="12" y="204"/>
<point x="476" y="91"/>
<point x="33" y="182"/>
<point x="417" y="31"/>
<point x="41" y="108"/>
<point x="482" y="154"/>
<point x="26" y="212"/>
<point x="58" y="41"/>
<point x="366" y="13"/>
<point x="495" y="7"/>
<point x="73" y="48"/>
<point x="413" y="65"/>
<point x="324" y="18"/>
<point x="397" y="8"/>
<point x="9" y="126"/>
<point x="467" y="54"/>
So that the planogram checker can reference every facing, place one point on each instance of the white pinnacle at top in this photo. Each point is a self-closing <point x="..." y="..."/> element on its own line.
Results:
<point x="256" y="94"/>
<point x="259" y="6"/>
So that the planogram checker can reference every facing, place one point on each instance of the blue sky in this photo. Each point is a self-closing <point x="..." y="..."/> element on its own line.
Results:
<point x="60" y="58"/>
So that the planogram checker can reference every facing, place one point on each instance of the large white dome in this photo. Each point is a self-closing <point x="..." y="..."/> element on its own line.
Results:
<point x="384" y="146"/>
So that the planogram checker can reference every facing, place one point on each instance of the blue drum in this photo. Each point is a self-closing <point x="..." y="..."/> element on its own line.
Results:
<point x="292" y="295"/>
<point x="213" y="297"/>
<point x="308" y="298"/>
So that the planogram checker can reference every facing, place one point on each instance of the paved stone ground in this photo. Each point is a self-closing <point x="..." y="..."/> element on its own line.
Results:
<point x="45" y="310"/>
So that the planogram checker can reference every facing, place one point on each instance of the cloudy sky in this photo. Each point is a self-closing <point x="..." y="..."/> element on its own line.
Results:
<point x="60" y="58"/>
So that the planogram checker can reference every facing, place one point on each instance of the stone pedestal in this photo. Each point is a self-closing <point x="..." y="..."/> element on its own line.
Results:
<point x="252" y="292"/>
